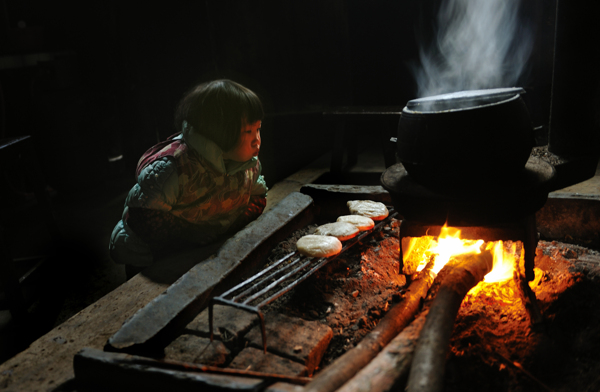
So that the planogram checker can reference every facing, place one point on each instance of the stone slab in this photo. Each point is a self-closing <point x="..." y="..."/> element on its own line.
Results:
<point x="196" y="349"/>
<point x="571" y="220"/>
<point x="291" y="337"/>
<point x="572" y="174"/>
<point x="257" y="360"/>
<point x="346" y="192"/>
<point x="48" y="362"/>
<point x="331" y="200"/>
<point x="229" y="323"/>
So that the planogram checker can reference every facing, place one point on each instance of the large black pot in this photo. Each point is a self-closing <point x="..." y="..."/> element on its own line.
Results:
<point x="465" y="139"/>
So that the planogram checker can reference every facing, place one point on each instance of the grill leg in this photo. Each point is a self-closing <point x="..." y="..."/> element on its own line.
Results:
<point x="527" y="295"/>
<point x="530" y="245"/>
<point x="263" y="330"/>
<point x="401" y="258"/>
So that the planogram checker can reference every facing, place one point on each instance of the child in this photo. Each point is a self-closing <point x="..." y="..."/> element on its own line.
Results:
<point x="199" y="185"/>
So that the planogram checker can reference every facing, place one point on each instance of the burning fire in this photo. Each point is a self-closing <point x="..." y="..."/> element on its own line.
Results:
<point x="498" y="283"/>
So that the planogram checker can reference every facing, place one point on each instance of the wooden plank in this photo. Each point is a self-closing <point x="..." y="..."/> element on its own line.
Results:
<point x="237" y="258"/>
<point x="48" y="361"/>
<point x="121" y="372"/>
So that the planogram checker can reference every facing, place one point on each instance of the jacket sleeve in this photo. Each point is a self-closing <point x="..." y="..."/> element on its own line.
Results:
<point x="157" y="187"/>
<point x="125" y="247"/>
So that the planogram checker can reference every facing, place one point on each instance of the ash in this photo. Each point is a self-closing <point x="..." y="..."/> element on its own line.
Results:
<point x="545" y="155"/>
<point x="491" y="338"/>
<point x="493" y="346"/>
<point x="351" y="293"/>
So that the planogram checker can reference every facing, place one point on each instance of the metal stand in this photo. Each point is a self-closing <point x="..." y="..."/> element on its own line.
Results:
<point x="523" y="230"/>
<point x="279" y="278"/>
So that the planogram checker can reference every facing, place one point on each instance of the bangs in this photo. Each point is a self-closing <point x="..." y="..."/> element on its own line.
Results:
<point x="218" y="109"/>
<point x="253" y="109"/>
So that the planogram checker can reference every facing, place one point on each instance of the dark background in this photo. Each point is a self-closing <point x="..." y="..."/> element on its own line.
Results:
<point x="93" y="80"/>
<point x="102" y="78"/>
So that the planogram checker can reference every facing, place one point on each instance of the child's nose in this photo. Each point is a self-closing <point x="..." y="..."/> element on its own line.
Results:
<point x="256" y="141"/>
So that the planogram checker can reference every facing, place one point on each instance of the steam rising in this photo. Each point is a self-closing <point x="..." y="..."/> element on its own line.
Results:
<point x="480" y="44"/>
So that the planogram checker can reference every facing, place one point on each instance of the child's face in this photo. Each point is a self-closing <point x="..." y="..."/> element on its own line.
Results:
<point x="249" y="144"/>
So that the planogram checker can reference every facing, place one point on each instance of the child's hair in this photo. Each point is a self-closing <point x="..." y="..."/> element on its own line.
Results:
<point x="218" y="110"/>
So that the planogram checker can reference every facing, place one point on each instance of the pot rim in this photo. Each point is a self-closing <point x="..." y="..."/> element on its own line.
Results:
<point x="447" y="97"/>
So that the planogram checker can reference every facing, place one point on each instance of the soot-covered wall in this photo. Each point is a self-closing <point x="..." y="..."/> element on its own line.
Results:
<point x="113" y="72"/>
<point x="108" y="74"/>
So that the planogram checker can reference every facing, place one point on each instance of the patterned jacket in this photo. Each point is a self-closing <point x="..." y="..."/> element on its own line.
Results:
<point x="185" y="194"/>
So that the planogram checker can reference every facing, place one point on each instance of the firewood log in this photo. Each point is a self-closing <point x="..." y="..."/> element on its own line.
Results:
<point x="397" y="318"/>
<point x="389" y="369"/>
<point x="427" y="369"/>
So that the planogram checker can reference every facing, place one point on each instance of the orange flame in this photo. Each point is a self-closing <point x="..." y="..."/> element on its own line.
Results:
<point x="497" y="283"/>
<point x="450" y="244"/>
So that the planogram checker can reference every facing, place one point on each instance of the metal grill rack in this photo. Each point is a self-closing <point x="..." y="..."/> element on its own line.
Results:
<point x="279" y="278"/>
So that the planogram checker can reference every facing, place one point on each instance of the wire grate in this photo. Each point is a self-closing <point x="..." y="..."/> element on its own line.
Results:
<point x="282" y="276"/>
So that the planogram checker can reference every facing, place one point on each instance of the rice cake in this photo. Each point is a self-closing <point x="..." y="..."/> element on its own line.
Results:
<point x="341" y="230"/>
<point x="371" y="209"/>
<point x="362" y="222"/>
<point x="319" y="245"/>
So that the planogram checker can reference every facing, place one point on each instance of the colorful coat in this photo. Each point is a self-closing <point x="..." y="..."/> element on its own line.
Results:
<point x="186" y="194"/>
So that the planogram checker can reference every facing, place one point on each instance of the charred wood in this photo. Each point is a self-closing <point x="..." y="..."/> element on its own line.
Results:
<point x="389" y="369"/>
<point x="427" y="369"/>
<point x="390" y="325"/>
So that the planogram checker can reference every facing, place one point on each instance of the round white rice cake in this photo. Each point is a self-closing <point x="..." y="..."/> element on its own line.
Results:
<point x="371" y="209"/>
<point x="341" y="230"/>
<point x="319" y="245"/>
<point x="362" y="222"/>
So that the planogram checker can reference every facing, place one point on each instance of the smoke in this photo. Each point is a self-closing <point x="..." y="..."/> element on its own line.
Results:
<point x="478" y="44"/>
